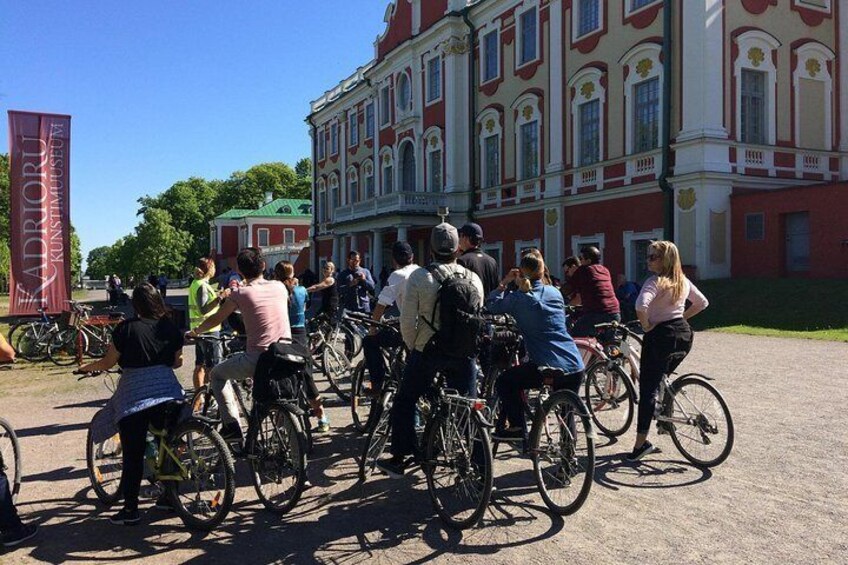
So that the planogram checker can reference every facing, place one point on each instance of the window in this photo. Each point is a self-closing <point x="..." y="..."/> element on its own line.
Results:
<point x="353" y="127"/>
<point x="590" y="129"/>
<point x="434" y="79"/>
<point x="352" y="185"/>
<point x="646" y="115"/>
<point x="388" y="179"/>
<point x="435" y="170"/>
<point x="385" y="107"/>
<point x="288" y="236"/>
<point x="753" y="107"/>
<point x="528" y="37"/>
<point x="823" y="5"/>
<point x="637" y="4"/>
<point x="334" y="139"/>
<point x="369" y="186"/>
<point x="755" y="227"/>
<point x="322" y="201"/>
<point x="369" y="121"/>
<point x="491" y="67"/>
<point x="492" y="163"/>
<point x="529" y="150"/>
<point x="334" y="200"/>
<point x="262" y="236"/>
<point x="322" y="145"/>
<point x="404" y="93"/>
<point x="588" y="18"/>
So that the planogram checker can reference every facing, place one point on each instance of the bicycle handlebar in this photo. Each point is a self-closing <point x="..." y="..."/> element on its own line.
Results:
<point x="92" y="374"/>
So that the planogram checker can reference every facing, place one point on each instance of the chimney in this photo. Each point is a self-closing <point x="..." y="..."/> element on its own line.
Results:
<point x="269" y="197"/>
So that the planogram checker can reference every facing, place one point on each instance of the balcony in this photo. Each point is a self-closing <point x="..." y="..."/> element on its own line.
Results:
<point x="786" y="162"/>
<point x="396" y="202"/>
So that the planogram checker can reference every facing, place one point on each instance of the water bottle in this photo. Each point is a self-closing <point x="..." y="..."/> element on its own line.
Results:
<point x="151" y="455"/>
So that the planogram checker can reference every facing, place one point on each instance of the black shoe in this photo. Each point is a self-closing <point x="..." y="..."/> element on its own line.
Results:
<point x="19" y="535"/>
<point x="638" y="454"/>
<point x="125" y="518"/>
<point x="394" y="467"/>
<point x="509" y="435"/>
<point x="231" y="432"/>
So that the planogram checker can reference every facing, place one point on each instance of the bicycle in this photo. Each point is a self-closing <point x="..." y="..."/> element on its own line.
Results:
<point x="456" y="449"/>
<point x="10" y="457"/>
<point x="337" y="354"/>
<point x="82" y="334"/>
<point x="188" y="457"/>
<point x="30" y="337"/>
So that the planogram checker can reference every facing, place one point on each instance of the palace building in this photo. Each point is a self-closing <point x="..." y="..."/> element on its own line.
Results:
<point x="722" y="124"/>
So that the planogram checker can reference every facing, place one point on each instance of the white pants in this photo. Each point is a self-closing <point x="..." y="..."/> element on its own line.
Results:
<point x="237" y="368"/>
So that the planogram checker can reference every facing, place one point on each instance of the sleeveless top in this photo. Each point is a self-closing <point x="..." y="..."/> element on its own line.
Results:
<point x="330" y="298"/>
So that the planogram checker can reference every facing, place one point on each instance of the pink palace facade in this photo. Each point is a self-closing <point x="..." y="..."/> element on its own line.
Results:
<point x="560" y="123"/>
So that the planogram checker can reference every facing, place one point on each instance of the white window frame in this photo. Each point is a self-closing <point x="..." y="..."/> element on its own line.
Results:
<point x="490" y="117"/>
<point x="629" y="10"/>
<point x="334" y="141"/>
<point x="578" y="241"/>
<point x="353" y="127"/>
<point x="401" y="111"/>
<point x="333" y="184"/>
<point x="497" y="245"/>
<point x="494" y="29"/>
<point x="286" y="233"/>
<point x="384" y="163"/>
<point x="370" y="104"/>
<point x="322" y="144"/>
<point x="352" y="177"/>
<point x="523" y="244"/>
<point x="628" y="237"/>
<point x="385" y="93"/>
<point x="587" y="81"/>
<point x="259" y="233"/>
<point x="433" y="142"/>
<point x="748" y="43"/>
<point x="532" y="101"/>
<point x="427" y="78"/>
<point x="822" y="55"/>
<point x="632" y="59"/>
<point x="530" y="5"/>
<point x="575" y="20"/>
<point x="367" y="172"/>
<point x="826" y="9"/>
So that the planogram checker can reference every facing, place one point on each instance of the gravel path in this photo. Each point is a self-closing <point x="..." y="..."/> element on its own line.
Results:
<point x="780" y="497"/>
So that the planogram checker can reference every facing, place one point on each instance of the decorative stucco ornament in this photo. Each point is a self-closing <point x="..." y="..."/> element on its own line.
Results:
<point x="551" y="217"/>
<point x="813" y="67"/>
<point x="587" y="89"/>
<point x="686" y="199"/>
<point x="644" y="67"/>
<point x="756" y="56"/>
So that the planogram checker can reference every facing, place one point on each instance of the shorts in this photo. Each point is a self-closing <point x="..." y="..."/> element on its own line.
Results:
<point x="208" y="353"/>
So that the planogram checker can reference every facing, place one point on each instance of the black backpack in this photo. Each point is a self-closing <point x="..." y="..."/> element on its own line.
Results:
<point x="459" y="303"/>
<point x="279" y="372"/>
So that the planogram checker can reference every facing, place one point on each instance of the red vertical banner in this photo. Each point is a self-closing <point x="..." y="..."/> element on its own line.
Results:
<point x="40" y="234"/>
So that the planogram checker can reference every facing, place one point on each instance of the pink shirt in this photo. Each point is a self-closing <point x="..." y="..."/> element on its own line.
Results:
<point x="659" y="305"/>
<point x="264" y="308"/>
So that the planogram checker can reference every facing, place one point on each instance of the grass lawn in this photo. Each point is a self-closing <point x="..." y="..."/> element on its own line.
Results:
<point x="802" y="308"/>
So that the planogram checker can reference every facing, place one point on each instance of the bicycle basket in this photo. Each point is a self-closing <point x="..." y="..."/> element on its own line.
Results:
<point x="68" y="318"/>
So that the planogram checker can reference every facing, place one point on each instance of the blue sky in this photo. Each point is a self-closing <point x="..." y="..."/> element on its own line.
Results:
<point x="160" y="91"/>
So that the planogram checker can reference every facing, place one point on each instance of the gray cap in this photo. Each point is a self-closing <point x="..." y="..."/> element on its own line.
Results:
<point x="444" y="240"/>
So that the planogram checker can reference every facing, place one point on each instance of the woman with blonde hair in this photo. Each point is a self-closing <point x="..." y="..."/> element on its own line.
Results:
<point x="539" y="312"/>
<point x="329" y="291"/>
<point x="661" y="309"/>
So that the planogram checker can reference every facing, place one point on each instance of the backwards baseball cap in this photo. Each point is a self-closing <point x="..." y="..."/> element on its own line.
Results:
<point x="471" y="230"/>
<point x="401" y="252"/>
<point x="444" y="240"/>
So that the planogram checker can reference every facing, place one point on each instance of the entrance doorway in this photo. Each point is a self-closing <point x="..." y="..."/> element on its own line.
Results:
<point x="797" y="235"/>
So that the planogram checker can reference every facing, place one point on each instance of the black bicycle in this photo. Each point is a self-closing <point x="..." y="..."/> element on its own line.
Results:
<point x="10" y="457"/>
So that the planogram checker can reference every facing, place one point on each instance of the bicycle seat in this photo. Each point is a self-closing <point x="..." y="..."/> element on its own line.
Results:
<point x="549" y="374"/>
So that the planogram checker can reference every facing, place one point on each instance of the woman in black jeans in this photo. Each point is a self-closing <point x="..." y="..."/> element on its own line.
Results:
<point x="661" y="309"/>
<point x="147" y="348"/>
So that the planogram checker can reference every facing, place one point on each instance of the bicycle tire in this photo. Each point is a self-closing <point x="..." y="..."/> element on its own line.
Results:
<point x="556" y="462"/>
<point x="29" y="344"/>
<point x="361" y="404"/>
<point x="704" y="423"/>
<point x="187" y="439"/>
<point x="203" y="404"/>
<point x="437" y="456"/>
<point x="100" y="341"/>
<point x="612" y="409"/>
<point x="104" y="464"/>
<point x="378" y="437"/>
<point x="277" y="445"/>
<point x="337" y="369"/>
<point x="64" y="346"/>
<point x="10" y="457"/>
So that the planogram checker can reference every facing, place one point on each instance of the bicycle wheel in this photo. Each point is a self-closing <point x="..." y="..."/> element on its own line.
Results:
<point x="361" y="405"/>
<point x="10" y="457"/>
<point x="563" y="453"/>
<point x="458" y="467"/>
<point x="30" y="342"/>
<point x="610" y="397"/>
<point x="338" y="371"/>
<point x="378" y="437"/>
<point x="701" y="426"/>
<point x="98" y="343"/>
<point x="204" y="492"/>
<point x="66" y="345"/>
<point x="277" y="454"/>
<point x="104" y="461"/>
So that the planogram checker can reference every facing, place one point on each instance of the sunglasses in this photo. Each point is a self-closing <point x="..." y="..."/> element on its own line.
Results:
<point x="653" y="257"/>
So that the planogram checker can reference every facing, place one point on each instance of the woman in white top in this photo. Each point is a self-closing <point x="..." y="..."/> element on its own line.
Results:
<point x="661" y="309"/>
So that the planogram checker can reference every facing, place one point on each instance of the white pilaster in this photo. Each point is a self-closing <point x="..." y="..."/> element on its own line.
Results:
<point x="457" y="106"/>
<point x="343" y="159"/>
<point x="842" y="11"/>
<point x="555" y="114"/>
<point x="402" y="233"/>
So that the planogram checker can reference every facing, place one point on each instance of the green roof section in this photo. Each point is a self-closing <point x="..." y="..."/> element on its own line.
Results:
<point x="279" y="208"/>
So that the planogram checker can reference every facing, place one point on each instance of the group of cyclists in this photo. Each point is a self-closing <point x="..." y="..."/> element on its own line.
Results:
<point x="438" y="306"/>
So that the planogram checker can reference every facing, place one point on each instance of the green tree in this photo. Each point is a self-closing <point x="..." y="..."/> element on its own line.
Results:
<point x="159" y="246"/>
<point x="97" y="264"/>
<point x="76" y="257"/>
<point x="247" y="189"/>
<point x="303" y="168"/>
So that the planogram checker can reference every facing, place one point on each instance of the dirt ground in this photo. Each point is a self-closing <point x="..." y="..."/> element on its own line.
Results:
<point x="780" y="497"/>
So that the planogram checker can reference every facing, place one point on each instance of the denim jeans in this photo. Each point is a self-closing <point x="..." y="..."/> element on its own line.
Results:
<point x="421" y="369"/>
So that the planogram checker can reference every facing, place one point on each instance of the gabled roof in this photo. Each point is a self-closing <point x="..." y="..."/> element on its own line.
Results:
<point x="279" y="208"/>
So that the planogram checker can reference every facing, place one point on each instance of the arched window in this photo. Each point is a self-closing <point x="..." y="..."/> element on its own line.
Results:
<point x="527" y="144"/>
<point x="407" y="165"/>
<point x="352" y="185"/>
<point x="367" y="189"/>
<point x="491" y="135"/>
<point x="404" y="93"/>
<point x="587" y="116"/>
<point x="813" y="85"/>
<point x="387" y="176"/>
<point x="334" y="200"/>
<point x="755" y="75"/>
<point x="643" y="98"/>
<point x="433" y="161"/>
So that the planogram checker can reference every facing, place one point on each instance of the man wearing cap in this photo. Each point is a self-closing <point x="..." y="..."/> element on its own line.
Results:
<point x="417" y="329"/>
<point x="475" y="259"/>
<point x="392" y="294"/>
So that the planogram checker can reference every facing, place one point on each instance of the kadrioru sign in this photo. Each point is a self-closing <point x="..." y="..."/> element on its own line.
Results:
<point x="40" y="212"/>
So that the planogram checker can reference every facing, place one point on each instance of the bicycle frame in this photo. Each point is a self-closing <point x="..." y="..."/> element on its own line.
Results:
<point x="166" y="451"/>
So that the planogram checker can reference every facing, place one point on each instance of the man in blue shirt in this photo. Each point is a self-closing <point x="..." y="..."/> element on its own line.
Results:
<point x="355" y="283"/>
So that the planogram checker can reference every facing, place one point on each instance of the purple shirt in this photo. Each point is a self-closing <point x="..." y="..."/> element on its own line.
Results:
<point x="264" y="309"/>
<point x="661" y="307"/>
